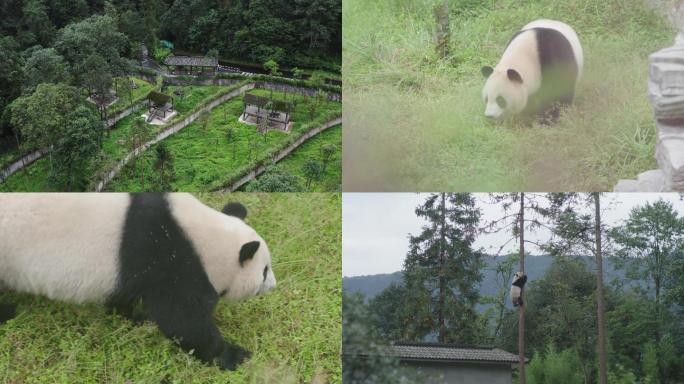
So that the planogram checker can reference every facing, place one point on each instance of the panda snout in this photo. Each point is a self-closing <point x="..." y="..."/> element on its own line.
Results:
<point x="267" y="285"/>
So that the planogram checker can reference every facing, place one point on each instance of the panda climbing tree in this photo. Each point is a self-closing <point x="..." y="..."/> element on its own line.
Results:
<point x="519" y="280"/>
<point x="523" y="212"/>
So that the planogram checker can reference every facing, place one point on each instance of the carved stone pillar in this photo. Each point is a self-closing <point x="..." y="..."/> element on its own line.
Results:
<point x="666" y="91"/>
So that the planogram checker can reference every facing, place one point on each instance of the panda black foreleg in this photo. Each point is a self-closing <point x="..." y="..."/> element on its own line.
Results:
<point x="189" y="318"/>
<point x="7" y="311"/>
<point x="128" y="309"/>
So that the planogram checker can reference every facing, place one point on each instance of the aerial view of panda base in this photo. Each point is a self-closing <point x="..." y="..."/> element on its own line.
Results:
<point x="499" y="95"/>
<point x="170" y="288"/>
<point x="164" y="95"/>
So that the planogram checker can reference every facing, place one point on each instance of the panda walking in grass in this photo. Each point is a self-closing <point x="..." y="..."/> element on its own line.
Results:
<point x="166" y="258"/>
<point x="519" y="280"/>
<point x="537" y="73"/>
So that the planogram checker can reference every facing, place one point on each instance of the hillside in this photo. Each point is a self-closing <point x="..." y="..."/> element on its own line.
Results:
<point x="535" y="267"/>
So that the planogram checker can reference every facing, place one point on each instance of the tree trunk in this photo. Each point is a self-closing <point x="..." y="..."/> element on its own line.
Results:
<point x="442" y="277"/>
<point x="603" y="378"/>
<point x="443" y="30"/>
<point x="521" y="312"/>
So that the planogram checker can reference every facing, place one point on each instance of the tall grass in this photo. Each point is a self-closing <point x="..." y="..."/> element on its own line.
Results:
<point x="415" y="122"/>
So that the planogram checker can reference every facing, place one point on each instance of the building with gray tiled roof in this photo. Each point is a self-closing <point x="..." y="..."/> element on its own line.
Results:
<point x="191" y="64"/>
<point x="451" y="363"/>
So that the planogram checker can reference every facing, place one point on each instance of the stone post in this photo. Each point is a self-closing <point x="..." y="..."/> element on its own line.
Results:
<point x="666" y="92"/>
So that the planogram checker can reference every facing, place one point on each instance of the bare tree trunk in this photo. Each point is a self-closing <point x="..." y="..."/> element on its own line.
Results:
<point x="443" y="31"/>
<point x="521" y="311"/>
<point x="603" y="378"/>
<point x="442" y="278"/>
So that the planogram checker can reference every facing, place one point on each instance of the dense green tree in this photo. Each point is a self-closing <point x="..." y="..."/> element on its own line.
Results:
<point x="44" y="65"/>
<point x="98" y="83"/>
<point x="43" y="115"/>
<point x="387" y="308"/>
<point x="313" y="170"/>
<point x="364" y="356"/>
<point x="133" y="24"/>
<point x="75" y="149"/>
<point x="441" y="271"/>
<point x="10" y="73"/>
<point x="632" y="323"/>
<point x="275" y="179"/>
<point x="163" y="163"/>
<point x="96" y="36"/>
<point x="327" y="152"/>
<point x="652" y="240"/>
<point x="272" y="67"/>
<point x="319" y="22"/>
<point x="36" y="23"/>
<point x="63" y="12"/>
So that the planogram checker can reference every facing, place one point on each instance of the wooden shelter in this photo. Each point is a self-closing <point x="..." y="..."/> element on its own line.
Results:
<point x="275" y="111"/>
<point x="191" y="64"/>
<point x="159" y="104"/>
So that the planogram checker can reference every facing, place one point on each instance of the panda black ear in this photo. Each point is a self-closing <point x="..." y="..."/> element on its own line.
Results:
<point x="235" y="209"/>
<point x="248" y="250"/>
<point x="487" y="70"/>
<point x="514" y="76"/>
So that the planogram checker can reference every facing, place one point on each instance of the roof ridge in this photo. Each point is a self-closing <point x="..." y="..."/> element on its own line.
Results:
<point x="442" y="345"/>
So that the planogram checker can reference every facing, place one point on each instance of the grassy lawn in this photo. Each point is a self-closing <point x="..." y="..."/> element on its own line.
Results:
<point x="294" y="332"/>
<point x="416" y="123"/>
<point x="311" y="149"/>
<point x="136" y="94"/>
<point x="204" y="159"/>
<point x="115" y="145"/>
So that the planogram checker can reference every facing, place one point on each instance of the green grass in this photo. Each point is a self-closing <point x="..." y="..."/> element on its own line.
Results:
<point x="136" y="95"/>
<point x="294" y="331"/>
<point x="311" y="149"/>
<point x="204" y="159"/>
<point x="115" y="145"/>
<point x="415" y="122"/>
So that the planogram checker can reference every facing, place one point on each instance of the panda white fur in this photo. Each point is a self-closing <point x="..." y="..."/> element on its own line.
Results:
<point x="519" y="280"/>
<point x="167" y="258"/>
<point x="536" y="74"/>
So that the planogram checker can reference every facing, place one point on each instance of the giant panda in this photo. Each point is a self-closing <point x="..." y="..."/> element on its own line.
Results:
<point x="519" y="280"/>
<point x="166" y="258"/>
<point x="536" y="74"/>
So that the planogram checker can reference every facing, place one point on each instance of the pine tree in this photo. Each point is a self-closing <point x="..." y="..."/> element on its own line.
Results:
<point x="441" y="271"/>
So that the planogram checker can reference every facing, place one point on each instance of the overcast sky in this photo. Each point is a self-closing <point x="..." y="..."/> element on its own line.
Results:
<point x="375" y="226"/>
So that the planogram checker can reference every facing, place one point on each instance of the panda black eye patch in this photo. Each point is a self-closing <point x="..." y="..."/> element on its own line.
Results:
<point x="265" y="272"/>
<point x="501" y="102"/>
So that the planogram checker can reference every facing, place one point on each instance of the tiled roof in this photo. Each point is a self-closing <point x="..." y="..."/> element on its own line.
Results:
<point x="449" y="352"/>
<point x="195" y="61"/>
